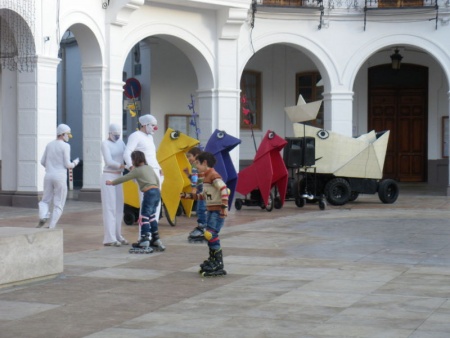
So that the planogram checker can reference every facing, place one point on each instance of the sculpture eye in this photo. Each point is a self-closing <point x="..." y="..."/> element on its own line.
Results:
<point x="174" y="135"/>
<point x="221" y="134"/>
<point x="271" y="135"/>
<point x="323" y="134"/>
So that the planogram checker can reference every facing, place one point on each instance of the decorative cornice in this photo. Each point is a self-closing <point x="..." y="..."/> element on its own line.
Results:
<point x="230" y="22"/>
<point x="122" y="17"/>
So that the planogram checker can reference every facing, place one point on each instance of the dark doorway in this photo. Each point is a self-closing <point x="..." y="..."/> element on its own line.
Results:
<point x="398" y="101"/>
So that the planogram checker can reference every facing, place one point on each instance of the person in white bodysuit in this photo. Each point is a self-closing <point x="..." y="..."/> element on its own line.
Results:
<point x="142" y="140"/>
<point x="112" y="196"/>
<point x="56" y="160"/>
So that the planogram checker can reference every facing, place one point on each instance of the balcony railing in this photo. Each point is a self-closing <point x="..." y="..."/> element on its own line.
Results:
<point x="334" y="4"/>
<point x="283" y="3"/>
<point x="429" y="10"/>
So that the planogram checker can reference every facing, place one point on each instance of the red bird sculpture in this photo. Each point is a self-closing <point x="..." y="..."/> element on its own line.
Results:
<point x="267" y="170"/>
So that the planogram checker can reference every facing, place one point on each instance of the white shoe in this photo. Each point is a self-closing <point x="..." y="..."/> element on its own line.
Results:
<point x="124" y="242"/>
<point x="113" y="244"/>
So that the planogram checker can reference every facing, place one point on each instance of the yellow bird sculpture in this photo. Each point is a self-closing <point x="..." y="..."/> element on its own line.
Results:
<point x="171" y="155"/>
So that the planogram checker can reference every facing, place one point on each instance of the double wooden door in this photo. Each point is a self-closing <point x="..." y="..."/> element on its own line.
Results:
<point x="403" y="111"/>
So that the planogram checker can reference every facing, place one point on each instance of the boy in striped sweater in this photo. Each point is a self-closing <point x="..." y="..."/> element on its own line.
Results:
<point x="215" y="194"/>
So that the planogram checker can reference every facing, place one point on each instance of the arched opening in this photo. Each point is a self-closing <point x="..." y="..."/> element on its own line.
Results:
<point x="411" y="102"/>
<point x="170" y="72"/>
<point x="17" y="58"/>
<point x="273" y="79"/>
<point x="80" y="99"/>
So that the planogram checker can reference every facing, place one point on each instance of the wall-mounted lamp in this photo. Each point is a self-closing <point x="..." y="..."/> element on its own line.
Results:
<point x="396" y="59"/>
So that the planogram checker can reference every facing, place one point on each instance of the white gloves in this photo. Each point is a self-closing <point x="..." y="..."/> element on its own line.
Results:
<point x="76" y="161"/>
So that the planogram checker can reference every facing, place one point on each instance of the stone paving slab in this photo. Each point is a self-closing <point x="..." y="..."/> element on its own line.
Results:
<point x="362" y="270"/>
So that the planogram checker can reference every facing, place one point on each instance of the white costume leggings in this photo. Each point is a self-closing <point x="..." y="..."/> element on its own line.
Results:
<point x="112" y="208"/>
<point x="55" y="190"/>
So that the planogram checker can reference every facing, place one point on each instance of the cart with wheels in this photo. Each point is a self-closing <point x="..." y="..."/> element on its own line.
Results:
<point x="265" y="173"/>
<point x="299" y="157"/>
<point x="348" y="166"/>
<point x="254" y="199"/>
<point x="305" y="189"/>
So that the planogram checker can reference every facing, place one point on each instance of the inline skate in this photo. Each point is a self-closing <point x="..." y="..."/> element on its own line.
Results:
<point x="156" y="243"/>
<point x="198" y="234"/>
<point x="142" y="246"/>
<point x="213" y="267"/>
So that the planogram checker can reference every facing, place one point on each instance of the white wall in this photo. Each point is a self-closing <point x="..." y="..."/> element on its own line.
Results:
<point x="173" y="80"/>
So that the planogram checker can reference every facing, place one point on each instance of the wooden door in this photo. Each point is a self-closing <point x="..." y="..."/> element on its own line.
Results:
<point x="403" y="111"/>
<point x="382" y="116"/>
<point x="411" y="129"/>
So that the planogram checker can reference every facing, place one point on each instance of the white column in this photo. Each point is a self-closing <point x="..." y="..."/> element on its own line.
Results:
<point x="206" y="109"/>
<point x="8" y="102"/>
<point x="338" y="108"/>
<point x="448" y="142"/>
<point x="93" y="126"/>
<point x="36" y="122"/>
<point x="228" y="92"/>
<point x="114" y="111"/>
<point x="146" y="56"/>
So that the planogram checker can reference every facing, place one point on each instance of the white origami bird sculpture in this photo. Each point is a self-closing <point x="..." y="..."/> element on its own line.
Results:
<point x="303" y="111"/>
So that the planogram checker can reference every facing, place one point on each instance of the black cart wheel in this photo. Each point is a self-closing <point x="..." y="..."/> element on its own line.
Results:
<point x="179" y="210"/>
<point x="172" y="222"/>
<point x="388" y="191"/>
<point x="353" y="196"/>
<point x="277" y="204"/>
<point x="300" y="202"/>
<point x="337" y="191"/>
<point x="269" y="206"/>
<point x="322" y="204"/>
<point x="128" y="218"/>
<point x="238" y="204"/>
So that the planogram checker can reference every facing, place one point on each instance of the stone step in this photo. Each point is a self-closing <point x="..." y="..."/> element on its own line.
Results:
<point x="30" y="253"/>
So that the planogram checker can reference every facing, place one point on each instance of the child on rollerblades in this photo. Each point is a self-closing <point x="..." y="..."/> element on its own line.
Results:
<point x="149" y="184"/>
<point x="215" y="194"/>
<point x="196" y="178"/>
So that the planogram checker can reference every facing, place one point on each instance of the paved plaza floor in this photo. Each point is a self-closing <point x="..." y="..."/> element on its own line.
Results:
<point x="366" y="269"/>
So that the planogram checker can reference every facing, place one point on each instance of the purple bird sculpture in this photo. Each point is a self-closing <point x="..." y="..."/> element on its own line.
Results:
<point x="220" y="144"/>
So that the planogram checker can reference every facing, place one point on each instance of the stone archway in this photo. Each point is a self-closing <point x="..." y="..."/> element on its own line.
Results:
<point x="80" y="103"/>
<point x="19" y="150"/>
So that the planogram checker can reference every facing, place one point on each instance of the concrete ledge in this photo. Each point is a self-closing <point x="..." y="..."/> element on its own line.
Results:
<point x="19" y="199"/>
<point x="89" y="195"/>
<point x="6" y="198"/>
<point x="29" y="253"/>
<point x="26" y="199"/>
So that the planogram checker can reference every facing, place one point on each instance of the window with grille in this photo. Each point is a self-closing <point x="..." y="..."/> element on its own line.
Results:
<point x="251" y="88"/>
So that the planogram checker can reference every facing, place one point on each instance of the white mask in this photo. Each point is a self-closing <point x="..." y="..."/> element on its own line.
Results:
<point x="66" y="137"/>
<point x="114" y="138"/>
